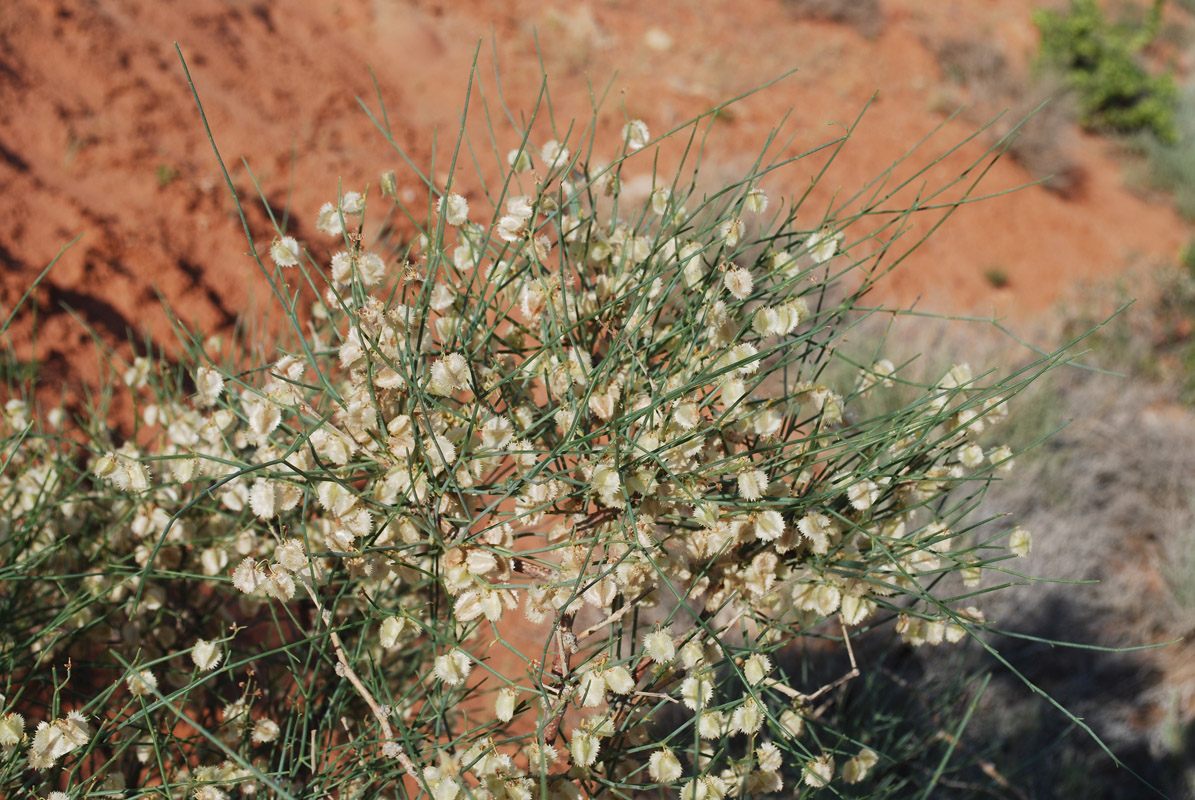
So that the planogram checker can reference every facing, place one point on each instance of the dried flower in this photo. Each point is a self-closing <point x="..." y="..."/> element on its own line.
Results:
<point x="329" y="221"/>
<point x="584" y="748"/>
<point x="371" y="268"/>
<point x="265" y="730"/>
<point x="857" y="768"/>
<point x="738" y="282"/>
<point x="658" y="645"/>
<point x="352" y="203"/>
<point x="291" y="555"/>
<point x="635" y="134"/>
<point x="453" y="668"/>
<point x="555" y="154"/>
<point x="12" y="729"/>
<point x="752" y="484"/>
<point x="618" y="679"/>
<point x="519" y="160"/>
<point x="248" y="577"/>
<point x="697" y="690"/>
<point x="863" y="494"/>
<point x="663" y="766"/>
<point x="55" y="739"/>
<point x="209" y="383"/>
<point x="591" y="689"/>
<point x="285" y="251"/>
<point x="768" y="756"/>
<point x="731" y="231"/>
<point x="823" y="245"/>
<point x="1020" y="542"/>
<point x="454" y="209"/>
<point x="748" y="717"/>
<point x="141" y="683"/>
<point x="504" y="705"/>
<point x="659" y="199"/>
<point x="819" y="771"/>
<point x="971" y="456"/>
<point x="792" y="722"/>
<point x="206" y="655"/>
<point x="756" y="668"/>
<point x="818" y="529"/>
<point x="756" y="201"/>
<point x="391" y="628"/>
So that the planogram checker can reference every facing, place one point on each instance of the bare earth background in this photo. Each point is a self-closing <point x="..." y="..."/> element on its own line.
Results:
<point x="100" y="136"/>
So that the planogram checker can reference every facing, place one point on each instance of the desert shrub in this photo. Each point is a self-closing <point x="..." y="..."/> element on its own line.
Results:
<point x="864" y="16"/>
<point x="543" y="500"/>
<point x="1100" y="61"/>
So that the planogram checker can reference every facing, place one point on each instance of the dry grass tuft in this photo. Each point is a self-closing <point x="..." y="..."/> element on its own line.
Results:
<point x="865" y="16"/>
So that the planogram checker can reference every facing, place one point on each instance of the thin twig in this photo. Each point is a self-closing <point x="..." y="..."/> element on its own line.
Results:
<point x="566" y="645"/>
<point x="785" y="689"/>
<point x="610" y="620"/>
<point x="390" y="745"/>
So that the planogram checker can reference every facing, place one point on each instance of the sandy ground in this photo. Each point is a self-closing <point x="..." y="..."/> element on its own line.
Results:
<point x="100" y="137"/>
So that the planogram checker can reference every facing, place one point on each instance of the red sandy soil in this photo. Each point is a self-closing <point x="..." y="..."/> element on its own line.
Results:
<point x="100" y="136"/>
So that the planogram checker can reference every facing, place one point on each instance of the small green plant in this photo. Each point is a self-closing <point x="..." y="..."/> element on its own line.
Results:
<point x="997" y="276"/>
<point x="1186" y="258"/>
<point x="546" y="500"/>
<point x="1100" y="61"/>
<point x="166" y="175"/>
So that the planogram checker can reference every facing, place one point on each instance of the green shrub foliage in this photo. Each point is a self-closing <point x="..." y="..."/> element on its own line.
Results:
<point x="1100" y="61"/>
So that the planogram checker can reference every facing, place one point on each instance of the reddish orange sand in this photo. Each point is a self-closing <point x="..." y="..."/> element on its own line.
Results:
<point x="99" y="136"/>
